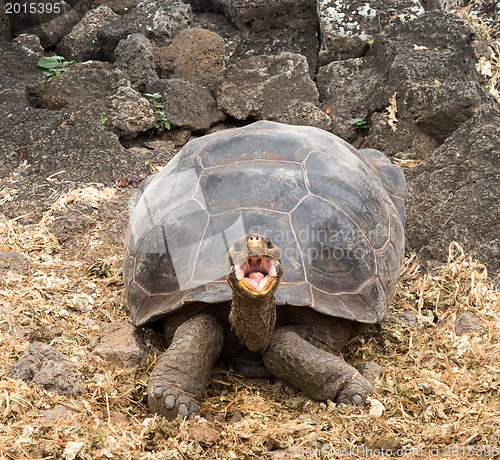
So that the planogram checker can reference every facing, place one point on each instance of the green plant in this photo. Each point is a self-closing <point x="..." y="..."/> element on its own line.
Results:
<point x="359" y="123"/>
<point x="54" y="65"/>
<point x="161" y="120"/>
<point x="102" y="119"/>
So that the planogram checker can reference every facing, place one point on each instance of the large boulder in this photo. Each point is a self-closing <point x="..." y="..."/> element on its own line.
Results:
<point x="196" y="55"/>
<point x="53" y="31"/>
<point x="453" y="194"/>
<point x="129" y="113"/>
<point x="345" y="87"/>
<point x="81" y="43"/>
<point x="421" y="73"/>
<point x="134" y="56"/>
<point x="242" y="44"/>
<point x="187" y="104"/>
<point x="81" y="93"/>
<point x="305" y="114"/>
<point x="429" y="65"/>
<point x="438" y="109"/>
<point x="17" y="71"/>
<point x="347" y="27"/>
<point x="434" y="49"/>
<point x="25" y="19"/>
<point x="265" y="86"/>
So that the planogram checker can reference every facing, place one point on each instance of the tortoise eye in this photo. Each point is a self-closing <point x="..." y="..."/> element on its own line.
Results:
<point x="269" y="245"/>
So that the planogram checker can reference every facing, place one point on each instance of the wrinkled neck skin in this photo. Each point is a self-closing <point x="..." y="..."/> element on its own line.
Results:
<point x="253" y="320"/>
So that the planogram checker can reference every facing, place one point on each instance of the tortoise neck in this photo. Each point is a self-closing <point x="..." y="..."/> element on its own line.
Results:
<point x="253" y="321"/>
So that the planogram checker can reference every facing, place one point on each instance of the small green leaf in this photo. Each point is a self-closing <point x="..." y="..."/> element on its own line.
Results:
<point x="153" y="97"/>
<point x="359" y="123"/>
<point x="50" y="62"/>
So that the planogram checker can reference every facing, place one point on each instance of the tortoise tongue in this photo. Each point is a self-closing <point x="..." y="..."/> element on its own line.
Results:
<point x="257" y="276"/>
<point x="257" y="280"/>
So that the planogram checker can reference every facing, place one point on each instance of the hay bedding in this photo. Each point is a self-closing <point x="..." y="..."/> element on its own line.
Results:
<point x="436" y="388"/>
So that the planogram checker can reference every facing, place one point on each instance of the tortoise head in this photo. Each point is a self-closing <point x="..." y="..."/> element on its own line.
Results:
<point x="254" y="267"/>
<point x="254" y="275"/>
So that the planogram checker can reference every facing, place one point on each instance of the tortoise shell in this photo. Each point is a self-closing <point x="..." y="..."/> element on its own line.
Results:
<point x="336" y="214"/>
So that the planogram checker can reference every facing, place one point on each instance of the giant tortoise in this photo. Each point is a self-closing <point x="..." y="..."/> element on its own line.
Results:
<point x="263" y="247"/>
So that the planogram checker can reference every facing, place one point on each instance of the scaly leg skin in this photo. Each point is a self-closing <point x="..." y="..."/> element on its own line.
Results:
<point x="318" y="373"/>
<point x="181" y="373"/>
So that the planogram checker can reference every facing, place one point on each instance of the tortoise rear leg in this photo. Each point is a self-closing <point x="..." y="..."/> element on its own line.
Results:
<point x="181" y="373"/>
<point x="318" y="373"/>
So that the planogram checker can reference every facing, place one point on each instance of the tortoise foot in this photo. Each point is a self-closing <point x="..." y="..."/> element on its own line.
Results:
<point x="318" y="373"/>
<point x="180" y="375"/>
<point x="169" y="400"/>
<point x="355" y="391"/>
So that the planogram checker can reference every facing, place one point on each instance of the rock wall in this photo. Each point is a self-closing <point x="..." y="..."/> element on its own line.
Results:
<point x="406" y="68"/>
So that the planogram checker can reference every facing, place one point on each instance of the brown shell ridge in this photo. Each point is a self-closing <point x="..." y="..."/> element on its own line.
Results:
<point x="258" y="160"/>
<point x="304" y="170"/>
<point x="389" y="233"/>
<point x="199" y="245"/>
<point x="206" y="147"/>
<point x="355" y="292"/>
<point x="248" y="208"/>
<point x="300" y="252"/>
<point x="338" y="139"/>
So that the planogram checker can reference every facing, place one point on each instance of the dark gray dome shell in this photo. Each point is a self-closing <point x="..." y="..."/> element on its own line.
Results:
<point x="336" y="214"/>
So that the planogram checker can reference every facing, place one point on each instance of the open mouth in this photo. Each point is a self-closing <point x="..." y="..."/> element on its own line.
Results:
<point x="256" y="271"/>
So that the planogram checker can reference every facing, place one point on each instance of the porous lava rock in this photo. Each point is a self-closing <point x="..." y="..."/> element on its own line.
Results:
<point x="454" y="193"/>
<point x="196" y="55"/>
<point x="347" y="27"/>
<point x="187" y="104"/>
<point x="264" y="86"/>
<point x="81" y="43"/>
<point x="47" y="367"/>
<point x="134" y="56"/>
<point x="120" y="343"/>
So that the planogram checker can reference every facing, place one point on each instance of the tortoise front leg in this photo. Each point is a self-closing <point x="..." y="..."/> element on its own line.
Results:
<point x="318" y="373"/>
<point x="181" y="373"/>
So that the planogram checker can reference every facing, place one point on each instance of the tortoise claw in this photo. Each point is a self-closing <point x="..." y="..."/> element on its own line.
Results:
<point x="172" y="401"/>
<point x="355" y="391"/>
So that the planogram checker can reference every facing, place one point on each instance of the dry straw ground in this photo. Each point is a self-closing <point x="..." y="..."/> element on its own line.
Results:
<point x="437" y="388"/>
